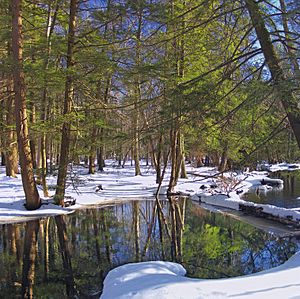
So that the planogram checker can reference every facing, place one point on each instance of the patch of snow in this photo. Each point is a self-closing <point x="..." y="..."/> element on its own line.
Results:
<point x="166" y="280"/>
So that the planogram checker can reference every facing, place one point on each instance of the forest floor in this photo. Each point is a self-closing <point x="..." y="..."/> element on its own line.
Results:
<point x="117" y="184"/>
<point x="112" y="185"/>
<point x="162" y="279"/>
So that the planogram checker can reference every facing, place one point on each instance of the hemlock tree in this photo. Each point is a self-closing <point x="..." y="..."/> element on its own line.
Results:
<point x="68" y="102"/>
<point x="32" y="196"/>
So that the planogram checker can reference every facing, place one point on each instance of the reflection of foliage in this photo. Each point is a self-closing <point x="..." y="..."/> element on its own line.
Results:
<point x="218" y="246"/>
<point x="217" y="242"/>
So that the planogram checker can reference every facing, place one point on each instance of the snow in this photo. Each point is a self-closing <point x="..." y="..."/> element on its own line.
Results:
<point x="166" y="280"/>
<point x="116" y="184"/>
<point x="12" y="203"/>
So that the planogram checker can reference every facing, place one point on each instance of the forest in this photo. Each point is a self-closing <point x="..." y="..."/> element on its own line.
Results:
<point x="158" y="131"/>
<point x="166" y="81"/>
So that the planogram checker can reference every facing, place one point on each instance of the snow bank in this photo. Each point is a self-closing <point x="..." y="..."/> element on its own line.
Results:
<point x="165" y="280"/>
<point x="12" y="203"/>
<point x="234" y="202"/>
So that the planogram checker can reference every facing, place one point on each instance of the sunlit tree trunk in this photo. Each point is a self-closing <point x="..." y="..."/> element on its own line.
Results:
<point x="32" y="196"/>
<point x="174" y="154"/>
<point x="11" y="142"/>
<point x="69" y="95"/>
<point x="183" y="173"/>
<point x="32" y="142"/>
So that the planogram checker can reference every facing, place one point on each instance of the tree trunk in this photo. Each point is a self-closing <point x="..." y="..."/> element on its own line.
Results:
<point x="43" y="153"/>
<point x="223" y="163"/>
<point x="11" y="142"/>
<point x="69" y="95"/>
<point x="183" y="173"/>
<point x="32" y="138"/>
<point x="32" y="196"/>
<point x="92" y="156"/>
<point x="100" y="158"/>
<point x="289" y="102"/>
<point x="174" y="175"/>
<point x="137" y="98"/>
<point x="3" y="159"/>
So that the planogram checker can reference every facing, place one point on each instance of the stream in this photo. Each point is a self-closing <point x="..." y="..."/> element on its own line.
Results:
<point x="69" y="256"/>
<point x="286" y="197"/>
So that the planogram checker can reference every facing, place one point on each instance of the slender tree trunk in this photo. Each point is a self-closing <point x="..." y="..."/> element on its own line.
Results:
<point x="100" y="158"/>
<point x="136" y="142"/>
<point x="92" y="156"/>
<point x="32" y="138"/>
<point x="137" y="98"/>
<point x="173" y="176"/>
<point x="32" y="196"/>
<point x="223" y="163"/>
<point x="101" y="153"/>
<point x="69" y="95"/>
<point x="288" y="100"/>
<point x="3" y="159"/>
<point x="11" y="142"/>
<point x="43" y="149"/>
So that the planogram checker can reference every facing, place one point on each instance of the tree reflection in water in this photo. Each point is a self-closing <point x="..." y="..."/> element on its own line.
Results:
<point x="69" y="256"/>
<point x="29" y="257"/>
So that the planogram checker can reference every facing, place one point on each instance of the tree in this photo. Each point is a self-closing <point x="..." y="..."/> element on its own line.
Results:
<point x="283" y="88"/>
<point x="68" y="102"/>
<point x="32" y="198"/>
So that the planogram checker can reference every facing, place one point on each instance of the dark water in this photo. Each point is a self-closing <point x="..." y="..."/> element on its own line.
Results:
<point x="69" y="256"/>
<point x="288" y="197"/>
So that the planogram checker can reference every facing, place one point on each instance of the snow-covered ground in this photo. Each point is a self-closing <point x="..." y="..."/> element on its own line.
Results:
<point x="117" y="184"/>
<point x="113" y="185"/>
<point x="166" y="280"/>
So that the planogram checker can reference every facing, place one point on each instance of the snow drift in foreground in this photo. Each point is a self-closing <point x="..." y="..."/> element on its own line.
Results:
<point x="165" y="280"/>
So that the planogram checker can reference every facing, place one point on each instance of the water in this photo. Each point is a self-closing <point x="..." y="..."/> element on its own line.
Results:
<point x="288" y="197"/>
<point x="69" y="256"/>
